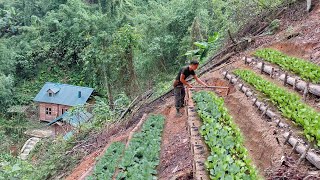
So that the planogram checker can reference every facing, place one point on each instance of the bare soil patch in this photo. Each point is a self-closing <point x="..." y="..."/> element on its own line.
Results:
<point x="175" y="155"/>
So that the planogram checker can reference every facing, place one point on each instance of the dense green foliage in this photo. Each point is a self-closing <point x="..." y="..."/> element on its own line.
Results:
<point x="106" y="166"/>
<point x="14" y="168"/>
<point x="289" y="104"/>
<point x="119" y="48"/>
<point x="111" y="46"/>
<point x="142" y="156"/>
<point x="228" y="157"/>
<point x="306" y="70"/>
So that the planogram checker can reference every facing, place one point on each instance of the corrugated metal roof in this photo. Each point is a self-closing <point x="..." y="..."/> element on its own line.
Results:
<point x="74" y="119"/>
<point x="57" y="119"/>
<point x="66" y="95"/>
<point x="77" y="119"/>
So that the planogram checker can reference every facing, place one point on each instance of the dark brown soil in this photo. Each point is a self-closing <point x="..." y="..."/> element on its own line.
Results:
<point x="175" y="156"/>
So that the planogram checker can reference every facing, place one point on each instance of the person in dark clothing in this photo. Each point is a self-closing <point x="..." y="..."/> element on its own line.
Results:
<point x="180" y="82"/>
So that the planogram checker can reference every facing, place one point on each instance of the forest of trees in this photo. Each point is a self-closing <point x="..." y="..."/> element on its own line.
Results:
<point x="118" y="47"/>
<point x="100" y="43"/>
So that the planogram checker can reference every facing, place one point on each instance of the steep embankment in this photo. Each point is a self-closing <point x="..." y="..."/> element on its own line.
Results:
<point x="298" y="35"/>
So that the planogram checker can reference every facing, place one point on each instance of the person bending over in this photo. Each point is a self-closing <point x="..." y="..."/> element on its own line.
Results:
<point x="180" y="83"/>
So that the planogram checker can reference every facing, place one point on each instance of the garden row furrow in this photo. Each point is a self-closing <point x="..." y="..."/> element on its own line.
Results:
<point x="139" y="159"/>
<point x="263" y="107"/>
<point x="298" y="145"/>
<point x="228" y="157"/>
<point x="289" y="104"/>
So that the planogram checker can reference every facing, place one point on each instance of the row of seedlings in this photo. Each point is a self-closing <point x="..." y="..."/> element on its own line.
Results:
<point x="106" y="166"/>
<point x="142" y="155"/>
<point x="289" y="104"/>
<point x="228" y="157"/>
<point x="297" y="146"/>
<point x="262" y="106"/>
<point x="306" y="70"/>
<point x="296" y="82"/>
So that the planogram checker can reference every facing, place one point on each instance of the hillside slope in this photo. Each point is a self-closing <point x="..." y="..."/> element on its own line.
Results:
<point x="298" y="35"/>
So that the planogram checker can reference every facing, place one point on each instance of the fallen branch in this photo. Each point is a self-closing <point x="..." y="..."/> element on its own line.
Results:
<point x="138" y="126"/>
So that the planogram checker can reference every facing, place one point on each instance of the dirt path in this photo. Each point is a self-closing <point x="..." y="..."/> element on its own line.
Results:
<point x="260" y="140"/>
<point x="175" y="156"/>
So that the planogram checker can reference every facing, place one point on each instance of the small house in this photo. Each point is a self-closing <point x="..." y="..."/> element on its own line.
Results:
<point x="55" y="99"/>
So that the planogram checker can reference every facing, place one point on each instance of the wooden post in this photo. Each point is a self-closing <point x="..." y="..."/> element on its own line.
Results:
<point x="295" y="83"/>
<point x="262" y="67"/>
<point x="278" y="123"/>
<point x="259" y="106"/>
<point x="241" y="87"/>
<point x="285" y="79"/>
<point x="247" y="92"/>
<point x="230" y="80"/>
<point x="294" y="148"/>
<point x="290" y="134"/>
<point x="303" y="156"/>
<point x="255" y="101"/>
<point x="305" y="92"/>
<point x="265" y="111"/>
<point x="272" y="71"/>
<point x="228" y="91"/>
<point x="225" y="76"/>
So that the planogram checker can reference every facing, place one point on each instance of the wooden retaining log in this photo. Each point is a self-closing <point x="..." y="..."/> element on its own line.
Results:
<point x="198" y="147"/>
<point x="266" y="68"/>
<point x="295" y="82"/>
<point x="249" y="93"/>
<point x="301" y="85"/>
<point x="312" y="157"/>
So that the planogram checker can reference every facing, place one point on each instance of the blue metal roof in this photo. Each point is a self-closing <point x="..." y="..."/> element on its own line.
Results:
<point x="55" y="89"/>
<point x="65" y="94"/>
<point x="56" y="119"/>
<point x="78" y="118"/>
<point x="75" y="119"/>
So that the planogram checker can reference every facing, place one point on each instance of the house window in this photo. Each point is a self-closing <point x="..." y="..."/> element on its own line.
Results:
<point x="50" y="94"/>
<point x="48" y="111"/>
<point x="64" y="110"/>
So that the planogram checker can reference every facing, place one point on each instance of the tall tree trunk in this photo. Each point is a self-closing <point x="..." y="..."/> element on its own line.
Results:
<point x="110" y="96"/>
<point x="196" y="34"/>
<point x="132" y="77"/>
<point x="108" y="86"/>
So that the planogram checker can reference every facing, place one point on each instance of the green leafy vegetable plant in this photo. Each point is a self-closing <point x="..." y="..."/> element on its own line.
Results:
<point x="142" y="156"/>
<point x="289" y="104"/>
<point x="306" y="70"/>
<point x="228" y="157"/>
<point x="106" y="166"/>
